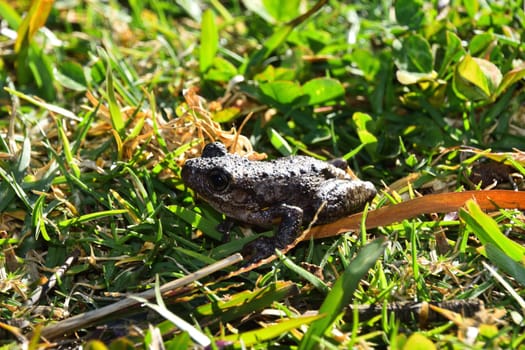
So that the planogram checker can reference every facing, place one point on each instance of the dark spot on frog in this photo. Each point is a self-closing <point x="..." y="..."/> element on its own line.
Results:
<point x="289" y="190"/>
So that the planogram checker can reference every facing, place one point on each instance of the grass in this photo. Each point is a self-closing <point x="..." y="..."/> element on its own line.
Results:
<point x="102" y="102"/>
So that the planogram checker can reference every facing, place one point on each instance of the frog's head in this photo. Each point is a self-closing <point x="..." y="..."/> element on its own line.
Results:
<point x="213" y="175"/>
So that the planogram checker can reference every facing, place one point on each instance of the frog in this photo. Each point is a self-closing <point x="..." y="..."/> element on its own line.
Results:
<point x="287" y="192"/>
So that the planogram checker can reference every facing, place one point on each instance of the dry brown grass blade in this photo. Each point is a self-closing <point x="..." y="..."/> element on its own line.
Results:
<point x="432" y="203"/>
<point x="91" y="317"/>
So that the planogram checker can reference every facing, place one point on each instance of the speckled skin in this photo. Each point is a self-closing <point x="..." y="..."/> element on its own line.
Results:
<point x="289" y="189"/>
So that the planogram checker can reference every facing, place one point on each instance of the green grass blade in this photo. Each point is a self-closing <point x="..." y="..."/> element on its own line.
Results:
<point x="162" y="310"/>
<point x="41" y="67"/>
<point x="510" y="289"/>
<point x="276" y="40"/>
<point x="16" y="188"/>
<point x="91" y="216"/>
<point x="23" y="161"/>
<point x="196" y="220"/>
<point x="223" y="11"/>
<point x="83" y="128"/>
<point x="147" y="200"/>
<point x="6" y="192"/>
<point x="505" y="263"/>
<point x="246" y="302"/>
<point x="12" y="18"/>
<point x="73" y="180"/>
<point x="47" y="106"/>
<point x="209" y="40"/>
<point x="279" y="142"/>
<point x="310" y="277"/>
<point x="117" y="120"/>
<point x="264" y="334"/>
<point x="33" y="20"/>
<point x="38" y="219"/>
<point x="66" y="147"/>
<point x="342" y="292"/>
<point x="195" y="256"/>
<point x="487" y="230"/>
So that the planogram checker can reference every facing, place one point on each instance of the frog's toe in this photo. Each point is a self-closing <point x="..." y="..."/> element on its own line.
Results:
<point x="225" y="228"/>
<point x="259" y="249"/>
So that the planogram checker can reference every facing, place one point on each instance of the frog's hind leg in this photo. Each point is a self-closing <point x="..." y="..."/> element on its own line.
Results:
<point x="343" y="197"/>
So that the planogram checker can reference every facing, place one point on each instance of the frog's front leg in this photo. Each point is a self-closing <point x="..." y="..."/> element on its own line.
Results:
<point x="291" y="220"/>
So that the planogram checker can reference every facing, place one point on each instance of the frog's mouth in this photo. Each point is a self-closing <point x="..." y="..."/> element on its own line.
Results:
<point x="184" y="173"/>
<point x="190" y="177"/>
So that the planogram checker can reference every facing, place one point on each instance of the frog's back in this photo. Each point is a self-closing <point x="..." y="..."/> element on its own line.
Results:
<point x="292" y="180"/>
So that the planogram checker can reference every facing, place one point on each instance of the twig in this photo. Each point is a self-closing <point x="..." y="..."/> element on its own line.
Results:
<point x="43" y="290"/>
<point x="91" y="317"/>
<point x="15" y="104"/>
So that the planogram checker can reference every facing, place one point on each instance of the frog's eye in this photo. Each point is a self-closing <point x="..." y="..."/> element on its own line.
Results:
<point x="218" y="179"/>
